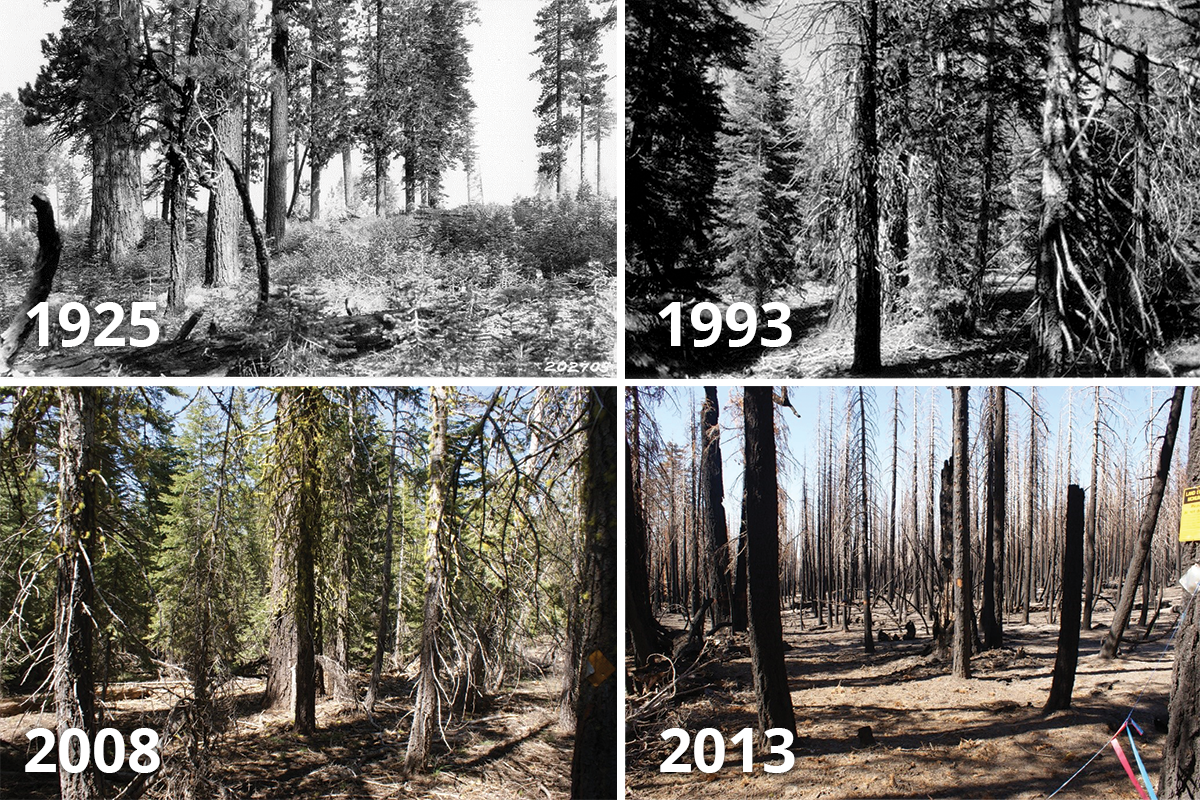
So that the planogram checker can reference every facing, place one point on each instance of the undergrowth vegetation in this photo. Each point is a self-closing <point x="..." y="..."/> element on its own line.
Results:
<point x="506" y="291"/>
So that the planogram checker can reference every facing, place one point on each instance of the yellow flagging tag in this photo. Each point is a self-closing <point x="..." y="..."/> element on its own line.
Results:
<point x="1189" y="516"/>
<point x="600" y="668"/>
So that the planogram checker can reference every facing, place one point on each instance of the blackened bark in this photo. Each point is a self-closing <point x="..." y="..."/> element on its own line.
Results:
<point x="1063" y="680"/>
<point x="713" y="504"/>
<point x="771" y="690"/>
<point x="649" y="637"/>
<point x="594" y="759"/>
<point x="1145" y="533"/>
<point x="991" y="615"/>
<point x="963" y="615"/>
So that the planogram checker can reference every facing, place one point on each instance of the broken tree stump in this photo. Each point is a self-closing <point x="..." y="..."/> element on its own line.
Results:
<point x="45" y="265"/>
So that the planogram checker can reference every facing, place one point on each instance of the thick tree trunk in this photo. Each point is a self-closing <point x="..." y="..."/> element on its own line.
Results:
<point x="867" y="301"/>
<point x="713" y="505"/>
<point x="222" y="264"/>
<point x="649" y="637"/>
<point x="963" y="613"/>
<point x="277" y="169"/>
<point x="771" y="690"/>
<point x="594" y="757"/>
<point x="296" y="522"/>
<point x="1145" y="533"/>
<point x="984" y="231"/>
<point x="1063" y="680"/>
<point x="420" y="737"/>
<point x="992" y="612"/>
<point x="1181" y="747"/>
<point x="348" y="178"/>
<point x="79" y="496"/>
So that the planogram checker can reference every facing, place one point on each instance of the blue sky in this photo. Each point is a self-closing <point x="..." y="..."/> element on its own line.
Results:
<point x="1129" y="410"/>
<point x="504" y="95"/>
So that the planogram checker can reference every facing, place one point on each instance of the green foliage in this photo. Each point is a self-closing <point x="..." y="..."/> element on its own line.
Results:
<point x="673" y="114"/>
<point x="562" y="237"/>
<point x="760" y="217"/>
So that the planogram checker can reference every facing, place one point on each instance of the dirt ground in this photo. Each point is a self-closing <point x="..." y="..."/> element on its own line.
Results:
<point x="513" y="750"/>
<point x="936" y="736"/>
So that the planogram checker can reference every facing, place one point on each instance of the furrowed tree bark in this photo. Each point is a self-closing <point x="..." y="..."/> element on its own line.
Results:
<point x="1145" y="533"/>
<point x="45" y="265"/>
<point x="1181" y="747"/>
<point x="594" y="757"/>
<point x="276" y="199"/>
<point x="713" y="505"/>
<point x="79" y="495"/>
<point x="771" y="690"/>
<point x="1063" y="681"/>
<point x="222" y="264"/>
<point x="962" y="539"/>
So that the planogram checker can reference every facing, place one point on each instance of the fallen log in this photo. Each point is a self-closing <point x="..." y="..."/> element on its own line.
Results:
<point x="45" y="265"/>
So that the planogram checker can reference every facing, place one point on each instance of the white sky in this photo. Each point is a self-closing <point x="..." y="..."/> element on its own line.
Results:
<point x="504" y="95"/>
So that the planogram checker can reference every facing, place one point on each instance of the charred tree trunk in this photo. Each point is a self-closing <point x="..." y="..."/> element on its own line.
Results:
<point x="762" y="531"/>
<point x="1145" y="533"/>
<point x="992" y="613"/>
<point x="963" y="613"/>
<point x="1181" y="748"/>
<point x="713" y="505"/>
<point x="1063" y="680"/>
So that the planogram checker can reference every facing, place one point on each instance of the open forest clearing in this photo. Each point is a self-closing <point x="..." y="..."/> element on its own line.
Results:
<point x="912" y="584"/>
<point x="936" y="735"/>
<point x="308" y="592"/>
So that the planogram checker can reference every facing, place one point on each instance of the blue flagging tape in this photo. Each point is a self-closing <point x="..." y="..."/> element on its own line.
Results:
<point x="1129" y="717"/>
<point x="1138" y="757"/>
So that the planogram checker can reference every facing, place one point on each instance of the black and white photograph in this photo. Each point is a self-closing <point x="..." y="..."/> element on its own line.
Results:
<point x="882" y="188"/>
<point x="300" y="188"/>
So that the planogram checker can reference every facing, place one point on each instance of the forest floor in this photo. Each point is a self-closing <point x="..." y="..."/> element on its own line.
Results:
<point x="362" y="297"/>
<point x="512" y="751"/>
<point x="936" y="735"/>
<point x="913" y="345"/>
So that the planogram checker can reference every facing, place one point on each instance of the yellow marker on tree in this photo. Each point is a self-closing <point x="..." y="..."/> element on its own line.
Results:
<point x="1189" y="515"/>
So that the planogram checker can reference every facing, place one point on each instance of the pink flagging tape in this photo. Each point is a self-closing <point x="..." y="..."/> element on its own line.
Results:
<point x="1116" y="746"/>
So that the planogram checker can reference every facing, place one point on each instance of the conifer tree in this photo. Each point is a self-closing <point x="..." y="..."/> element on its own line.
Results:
<point x="759" y="214"/>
